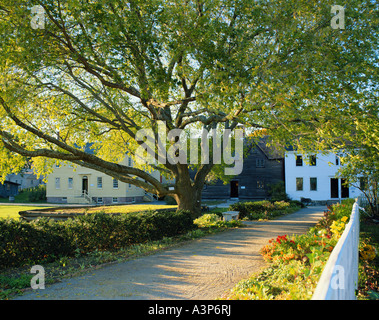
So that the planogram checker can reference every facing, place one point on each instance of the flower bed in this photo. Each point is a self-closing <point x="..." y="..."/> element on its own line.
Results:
<point x="297" y="261"/>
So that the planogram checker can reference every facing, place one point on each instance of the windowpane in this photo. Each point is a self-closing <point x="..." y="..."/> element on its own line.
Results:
<point x="313" y="184"/>
<point x="299" y="184"/>
<point x="57" y="183"/>
<point x="299" y="161"/>
<point x="260" y="184"/>
<point x="259" y="163"/>
<point x="312" y="160"/>
<point x="70" y="183"/>
<point x="99" y="182"/>
<point x="363" y="183"/>
<point x="115" y="184"/>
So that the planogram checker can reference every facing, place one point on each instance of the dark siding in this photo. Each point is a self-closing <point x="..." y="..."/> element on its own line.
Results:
<point x="8" y="189"/>
<point x="258" y="173"/>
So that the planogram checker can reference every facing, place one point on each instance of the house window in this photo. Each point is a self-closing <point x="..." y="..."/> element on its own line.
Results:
<point x="299" y="161"/>
<point x="99" y="182"/>
<point x="312" y="160"/>
<point x="363" y="183"/>
<point x="260" y="184"/>
<point x="114" y="200"/>
<point x="259" y="163"/>
<point x="100" y="200"/>
<point x="130" y="185"/>
<point x="115" y="183"/>
<point x="337" y="161"/>
<point x="70" y="183"/>
<point x="57" y="183"/>
<point x="129" y="161"/>
<point x="313" y="184"/>
<point x="299" y="184"/>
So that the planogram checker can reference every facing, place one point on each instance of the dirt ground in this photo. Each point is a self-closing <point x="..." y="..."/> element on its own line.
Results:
<point x="203" y="269"/>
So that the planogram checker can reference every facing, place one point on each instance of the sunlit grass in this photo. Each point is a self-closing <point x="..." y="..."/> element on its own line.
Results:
<point x="12" y="211"/>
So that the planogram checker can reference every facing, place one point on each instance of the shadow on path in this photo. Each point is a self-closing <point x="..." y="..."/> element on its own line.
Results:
<point x="200" y="269"/>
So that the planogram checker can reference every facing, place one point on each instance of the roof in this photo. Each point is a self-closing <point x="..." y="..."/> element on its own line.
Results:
<point x="270" y="152"/>
<point x="10" y="182"/>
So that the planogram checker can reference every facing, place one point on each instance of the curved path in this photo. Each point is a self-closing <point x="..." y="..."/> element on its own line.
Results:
<point x="202" y="269"/>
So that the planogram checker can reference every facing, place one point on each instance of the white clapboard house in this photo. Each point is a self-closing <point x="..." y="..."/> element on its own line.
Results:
<point x="313" y="176"/>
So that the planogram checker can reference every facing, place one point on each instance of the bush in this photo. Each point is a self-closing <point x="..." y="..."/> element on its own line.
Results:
<point x="45" y="240"/>
<point x="170" y="200"/>
<point x="22" y="242"/>
<point x="214" y="221"/>
<point x="35" y="194"/>
<point x="262" y="209"/>
<point x="277" y="192"/>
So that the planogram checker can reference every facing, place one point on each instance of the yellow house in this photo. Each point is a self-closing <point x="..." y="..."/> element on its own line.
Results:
<point x="80" y="185"/>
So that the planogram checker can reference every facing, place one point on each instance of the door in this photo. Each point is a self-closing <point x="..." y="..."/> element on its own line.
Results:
<point x="334" y="188"/>
<point x="344" y="189"/>
<point x="234" y="189"/>
<point x="85" y="185"/>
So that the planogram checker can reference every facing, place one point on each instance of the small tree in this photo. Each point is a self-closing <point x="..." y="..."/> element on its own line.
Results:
<point x="361" y="170"/>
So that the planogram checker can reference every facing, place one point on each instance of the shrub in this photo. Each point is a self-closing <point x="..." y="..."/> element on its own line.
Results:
<point x="45" y="240"/>
<point x="277" y="192"/>
<point x="262" y="209"/>
<point x="35" y="194"/>
<point x="23" y="242"/>
<point x="170" y="200"/>
<point x="214" y="221"/>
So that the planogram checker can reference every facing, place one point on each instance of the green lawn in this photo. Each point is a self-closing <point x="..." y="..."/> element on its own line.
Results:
<point x="7" y="211"/>
<point x="12" y="211"/>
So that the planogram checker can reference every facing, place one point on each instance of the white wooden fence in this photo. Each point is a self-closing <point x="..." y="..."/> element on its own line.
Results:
<point x="339" y="280"/>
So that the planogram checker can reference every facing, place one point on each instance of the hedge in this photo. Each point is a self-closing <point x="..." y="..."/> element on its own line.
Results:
<point x="262" y="209"/>
<point x="45" y="240"/>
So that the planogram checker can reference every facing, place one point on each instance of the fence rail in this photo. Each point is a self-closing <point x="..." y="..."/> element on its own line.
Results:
<point x="339" y="280"/>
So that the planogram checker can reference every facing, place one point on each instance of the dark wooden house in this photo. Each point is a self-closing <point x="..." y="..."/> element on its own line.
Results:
<point x="262" y="167"/>
<point x="8" y="189"/>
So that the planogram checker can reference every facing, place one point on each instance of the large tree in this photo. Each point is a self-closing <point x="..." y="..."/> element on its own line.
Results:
<point x="99" y="71"/>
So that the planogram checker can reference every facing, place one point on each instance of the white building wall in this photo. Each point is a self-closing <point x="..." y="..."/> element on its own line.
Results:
<point x="326" y="168"/>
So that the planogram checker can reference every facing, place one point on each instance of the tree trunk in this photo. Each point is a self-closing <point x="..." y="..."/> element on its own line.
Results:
<point x="188" y="195"/>
<point x="190" y="201"/>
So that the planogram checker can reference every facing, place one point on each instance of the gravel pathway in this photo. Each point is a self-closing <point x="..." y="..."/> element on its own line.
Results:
<point x="202" y="269"/>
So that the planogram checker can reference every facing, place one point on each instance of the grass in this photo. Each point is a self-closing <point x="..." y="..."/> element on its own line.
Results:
<point x="11" y="211"/>
<point x="118" y="209"/>
<point x="7" y="211"/>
